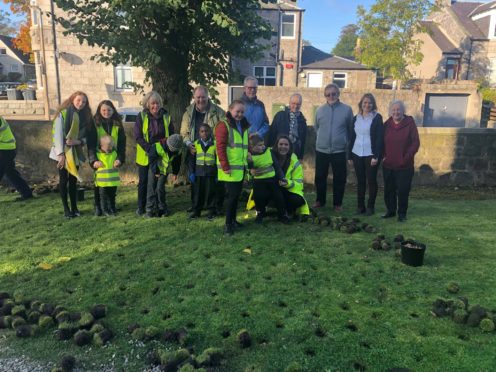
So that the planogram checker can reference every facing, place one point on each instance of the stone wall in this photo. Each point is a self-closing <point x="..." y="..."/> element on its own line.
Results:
<point x="447" y="156"/>
<point x="21" y="107"/>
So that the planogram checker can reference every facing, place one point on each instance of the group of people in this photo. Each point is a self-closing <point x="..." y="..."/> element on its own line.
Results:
<point x="223" y="149"/>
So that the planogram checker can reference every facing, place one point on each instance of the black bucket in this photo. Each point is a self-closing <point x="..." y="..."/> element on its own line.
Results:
<point x="80" y="194"/>
<point x="412" y="253"/>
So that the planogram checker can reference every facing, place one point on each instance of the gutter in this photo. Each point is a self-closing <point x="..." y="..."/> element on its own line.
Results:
<point x="56" y="53"/>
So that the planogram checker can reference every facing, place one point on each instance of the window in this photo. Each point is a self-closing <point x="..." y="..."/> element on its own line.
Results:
<point x="339" y="78"/>
<point x="123" y="75"/>
<point x="314" y="80"/>
<point x="3" y="51"/>
<point x="287" y="26"/>
<point x="452" y="68"/>
<point x="14" y="68"/>
<point x="266" y="75"/>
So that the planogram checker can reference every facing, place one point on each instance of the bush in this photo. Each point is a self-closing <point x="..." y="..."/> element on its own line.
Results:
<point x="488" y="95"/>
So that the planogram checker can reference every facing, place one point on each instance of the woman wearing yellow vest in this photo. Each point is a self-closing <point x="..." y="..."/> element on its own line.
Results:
<point x="7" y="161"/>
<point x="68" y="137"/>
<point x="152" y="125"/>
<point x="231" y="137"/>
<point x="293" y="170"/>
<point x="107" y="122"/>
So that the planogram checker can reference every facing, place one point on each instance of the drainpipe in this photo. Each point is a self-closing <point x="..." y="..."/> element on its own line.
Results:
<point x="300" y="48"/>
<point x="469" y="58"/>
<point x="278" y="63"/>
<point x="56" y="52"/>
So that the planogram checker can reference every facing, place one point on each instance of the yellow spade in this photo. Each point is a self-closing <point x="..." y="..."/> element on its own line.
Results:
<point x="70" y="151"/>
<point x="251" y="203"/>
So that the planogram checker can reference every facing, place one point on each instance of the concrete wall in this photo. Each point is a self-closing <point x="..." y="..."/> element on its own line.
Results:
<point x="8" y="108"/>
<point x="447" y="156"/>
<point x="433" y="64"/>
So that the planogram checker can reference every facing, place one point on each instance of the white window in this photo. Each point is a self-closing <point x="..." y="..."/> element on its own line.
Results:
<point x="339" y="78"/>
<point x="14" y="68"/>
<point x="314" y="80"/>
<point x="287" y="25"/>
<point x="3" y="51"/>
<point x="34" y="16"/>
<point x="123" y="75"/>
<point x="266" y="75"/>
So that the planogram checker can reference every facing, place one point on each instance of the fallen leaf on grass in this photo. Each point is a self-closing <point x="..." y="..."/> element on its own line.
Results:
<point x="45" y="266"/>
<point x="247" y="250"/>
<point x="64" y="259"/>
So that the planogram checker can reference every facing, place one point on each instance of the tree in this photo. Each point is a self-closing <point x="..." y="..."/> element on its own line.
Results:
<point x="22" y="40"/>
<point x="387" y="35"/>
<point x="6" y="26"/>
<point x="176" y="42"/>
<point x="347" y="41"/>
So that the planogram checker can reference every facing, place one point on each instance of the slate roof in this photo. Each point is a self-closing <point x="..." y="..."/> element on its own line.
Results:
<point x="8" y="41"/>
<point x="463" y="12"/>
<point x="440" y="38"/>
<point x="313" y="58"/>
<point x="481" y="8"/>
<point x="286" y="5"/>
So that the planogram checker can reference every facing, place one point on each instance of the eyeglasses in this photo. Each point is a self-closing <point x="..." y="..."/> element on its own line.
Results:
<point x="334" y="94"/>
<point x="252" y="88"/>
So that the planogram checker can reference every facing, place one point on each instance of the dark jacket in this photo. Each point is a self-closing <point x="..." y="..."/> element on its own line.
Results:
<point x="401" y="143"/>
<point x="155" y="133"/>
<point x="203" y="171"/>
<point x="376" y="136"/>
<point x="280" y="125"/>
<point x="222" y="137"/>
<point x="93" y="145"/>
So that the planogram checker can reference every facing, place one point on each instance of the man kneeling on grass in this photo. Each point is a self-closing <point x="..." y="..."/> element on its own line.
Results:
<point x="267" y="176"/>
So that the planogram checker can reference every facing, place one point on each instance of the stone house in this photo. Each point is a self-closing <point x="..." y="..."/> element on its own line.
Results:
<point x="460" y="42"/>
<point x="14" y="61"/>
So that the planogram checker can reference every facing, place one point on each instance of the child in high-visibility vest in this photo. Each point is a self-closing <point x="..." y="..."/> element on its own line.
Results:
<point x="202" y="173"/>
<point x="165" y="159"/>
<point x="107" y="177"/>
<point x="267" y="177"/>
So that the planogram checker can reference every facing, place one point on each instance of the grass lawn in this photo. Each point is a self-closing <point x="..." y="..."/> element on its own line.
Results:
<point x="306" y="294"/>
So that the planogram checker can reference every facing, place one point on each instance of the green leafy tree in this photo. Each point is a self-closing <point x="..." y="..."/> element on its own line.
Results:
<point x="175" y="41"/>
<point x="387" y="33"/>
<point x="347" y="41"/>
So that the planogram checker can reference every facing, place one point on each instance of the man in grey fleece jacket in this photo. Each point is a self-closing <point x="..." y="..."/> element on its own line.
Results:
<point x="332" y="121"/>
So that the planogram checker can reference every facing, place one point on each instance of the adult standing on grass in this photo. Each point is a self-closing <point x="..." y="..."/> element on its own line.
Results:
<point x="69" y="135"/>
<point x="365" y="151"/>
<point x="332" y="122"/>
<point x="7" y="161"/>
<point x="292" y="192"/>
<point x="107" y="121"/>
<point x="254" y="108"/>
<point x="153" y="125"/>
<point x="401" y="143"/>
<point x="201" y="111"/>
<point x="292" y="124"/>
<point x="231" y="136"/>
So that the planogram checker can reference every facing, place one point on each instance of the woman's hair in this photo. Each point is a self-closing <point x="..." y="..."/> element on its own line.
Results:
<point x="371" y="99"/>
<point x="116" y="118"/>
<point x="151" y="95"/>
<point x="84" y="113"/>
<point x="399" y="103"/>
<point x="235" y="102"/>
<point x="287" y="161"/>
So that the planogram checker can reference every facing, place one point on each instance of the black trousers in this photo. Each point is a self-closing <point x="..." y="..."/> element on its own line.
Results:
<point x="366" y="174"/>
<point x="204" y="192"/>
<point x="68" y="185"/>
<point x="155" y="194"/>
<point x="338" y="164"/>
<point x="265" y="191"/>
<point x="220" y="194"/>
<point x="8" y="169"/>
<point x="106" y="198"/>
<point x="142" y="186"/>
<point x="291" y="200"/>
<point x="397" y="186"/>
<point x="233" y="193"/>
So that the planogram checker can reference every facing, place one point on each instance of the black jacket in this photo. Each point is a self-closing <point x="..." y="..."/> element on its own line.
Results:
<point x="280" y="125"/>
<point x="376" y="136"/>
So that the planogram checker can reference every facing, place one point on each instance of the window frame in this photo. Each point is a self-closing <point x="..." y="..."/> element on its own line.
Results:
<point x="340" y="79"/>
<point x="283" y="23"/>
<point x="320" y="73"/>
<point x="117" y="69"/>
<point x="3" y="51"/>
<point x="262" y="78"/>
<point x="448" y="67"/>
<point x="15" y="68"/>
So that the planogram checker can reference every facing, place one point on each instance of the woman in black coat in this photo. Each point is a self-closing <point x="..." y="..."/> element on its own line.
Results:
<point x="365" y="151"/>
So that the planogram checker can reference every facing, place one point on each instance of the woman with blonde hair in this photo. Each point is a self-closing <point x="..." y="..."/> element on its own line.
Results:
<point x="68" y="138"/>
<point x="153" y="125"/>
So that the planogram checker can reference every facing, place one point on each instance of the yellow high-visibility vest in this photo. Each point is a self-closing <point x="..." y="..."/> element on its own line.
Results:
<point x="7" y="140"/>
<point x="141" y="155"/>
<point x="263" y="165"/>
<point x="204" y="158"/>
<point x="107" y="176"/>
<point x="237" y="151"/>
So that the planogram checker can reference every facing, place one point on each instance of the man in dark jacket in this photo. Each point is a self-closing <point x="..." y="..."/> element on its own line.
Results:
<point x="291" y="123"/>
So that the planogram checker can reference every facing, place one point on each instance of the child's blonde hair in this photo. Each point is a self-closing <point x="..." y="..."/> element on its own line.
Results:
<point x="106" y="139"/>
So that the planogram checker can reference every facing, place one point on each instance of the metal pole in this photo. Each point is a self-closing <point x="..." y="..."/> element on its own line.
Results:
<point x="56" y="52"/>
<point x="43" y="65"/>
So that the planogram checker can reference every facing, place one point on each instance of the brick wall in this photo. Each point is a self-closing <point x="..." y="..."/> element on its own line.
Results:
<point x="8" y="108"/>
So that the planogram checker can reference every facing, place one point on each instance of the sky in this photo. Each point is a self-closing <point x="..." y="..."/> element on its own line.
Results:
<point x="323" y="19"/>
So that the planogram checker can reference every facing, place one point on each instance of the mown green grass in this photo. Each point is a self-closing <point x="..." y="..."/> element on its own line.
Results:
<point x="295" y="293"/>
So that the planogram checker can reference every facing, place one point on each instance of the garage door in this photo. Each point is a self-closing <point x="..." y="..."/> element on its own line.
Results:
<point x="445" y="110"/>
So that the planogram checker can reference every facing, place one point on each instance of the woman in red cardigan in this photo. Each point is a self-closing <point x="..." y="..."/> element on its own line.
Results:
<point x="401" y="143"/>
